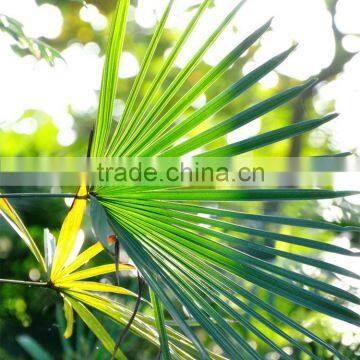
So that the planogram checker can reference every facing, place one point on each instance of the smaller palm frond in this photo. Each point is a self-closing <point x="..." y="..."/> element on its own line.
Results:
<point x="63" y="264"/>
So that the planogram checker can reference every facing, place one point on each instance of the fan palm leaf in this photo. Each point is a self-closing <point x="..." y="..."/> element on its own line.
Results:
<point x="202" y="262"/>
<point x="185" y="243"/>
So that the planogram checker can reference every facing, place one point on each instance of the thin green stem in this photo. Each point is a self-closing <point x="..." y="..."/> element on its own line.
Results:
<point x="23" y="282"/>
<point x="40" y="195"/>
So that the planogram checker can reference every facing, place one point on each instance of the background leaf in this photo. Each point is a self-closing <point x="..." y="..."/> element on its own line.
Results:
<point x="33" y="348"/>
<point x="38" y="48"/>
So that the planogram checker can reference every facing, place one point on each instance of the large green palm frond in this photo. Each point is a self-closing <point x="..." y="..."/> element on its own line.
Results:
<point x="205" y="262"/>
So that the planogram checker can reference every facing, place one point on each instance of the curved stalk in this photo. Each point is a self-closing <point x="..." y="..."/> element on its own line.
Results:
<point x="23" y="282"/>
<point x="40" y="195"/>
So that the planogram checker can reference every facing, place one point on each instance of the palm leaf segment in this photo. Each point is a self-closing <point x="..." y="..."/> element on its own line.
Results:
<point x="208" y="268"/>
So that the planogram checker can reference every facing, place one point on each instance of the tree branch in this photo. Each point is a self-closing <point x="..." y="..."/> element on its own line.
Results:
<point x="341" y="58"/>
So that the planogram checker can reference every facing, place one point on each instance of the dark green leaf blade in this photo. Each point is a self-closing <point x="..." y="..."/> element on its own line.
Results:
<point x="237" y="121"/>
<point x="160" y="325"/>
<point x="213" y="106"/>
<point x="268" y="138"/>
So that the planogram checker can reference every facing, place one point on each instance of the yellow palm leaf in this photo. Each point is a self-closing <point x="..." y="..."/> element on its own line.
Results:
<point x="95" y="286"/>
<point x="69" y="316"/>
<point x="7" y="211"/>
<point x="143" y="325"/>
<point x="82" y="259"/>
<point x="95" y="326"/>
<point x="91" y="272"/>
<point x="69" y="232"/>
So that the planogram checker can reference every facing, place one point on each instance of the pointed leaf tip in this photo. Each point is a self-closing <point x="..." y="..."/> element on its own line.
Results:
<point x="290" y="49"/>
<point x="69" y="317"/>
<point x="239" y="5"/>
<point x="308" y="84"/>
<point x="352" y="193"/>
<point x="269" y="22"/>
<point x="287" y="52"/>
<point x="327" y="118"/>
<point x="331" y="116"/>
<point x="312" y="81"/>
<point x="266" y="25"/>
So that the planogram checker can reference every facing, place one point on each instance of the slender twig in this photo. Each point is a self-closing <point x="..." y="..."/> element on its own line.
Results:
<point x="40" y="195"/>
<point x="90" y="142"/>
<point x="88" y="155"/>
<point x="128" y="325"/>
<point x="117" y="260"/>
<point x="23" y="282"/>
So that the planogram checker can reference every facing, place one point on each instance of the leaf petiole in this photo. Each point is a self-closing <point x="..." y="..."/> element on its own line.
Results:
<point x="23" y="282"/>
<point x="40" y="195"/>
